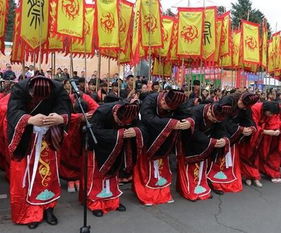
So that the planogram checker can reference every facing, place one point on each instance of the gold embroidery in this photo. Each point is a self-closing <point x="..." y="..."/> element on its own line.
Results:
<point x="222" y="162"/>
<point x="44" y="167"/>
<point x="196" y="172"/>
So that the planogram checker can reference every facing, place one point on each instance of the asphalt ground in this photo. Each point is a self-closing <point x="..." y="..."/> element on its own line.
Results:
<point x="254" y="210"/>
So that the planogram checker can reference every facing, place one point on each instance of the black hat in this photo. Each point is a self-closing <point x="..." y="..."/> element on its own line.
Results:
<point x="174" y="98"/>
<point x="249" y="99"/>
<point x="41" y="86"/>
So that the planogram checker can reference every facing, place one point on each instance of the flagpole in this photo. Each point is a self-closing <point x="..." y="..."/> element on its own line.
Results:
<point x="149" y="39"/>
<point x="99" y="70"/>
<point x="108" y="78"/>
<point x="40" y="35"/>
<point x="118" y="80"/>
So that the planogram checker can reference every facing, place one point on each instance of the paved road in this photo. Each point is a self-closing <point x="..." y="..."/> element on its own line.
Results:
<point x="251" y="211"/>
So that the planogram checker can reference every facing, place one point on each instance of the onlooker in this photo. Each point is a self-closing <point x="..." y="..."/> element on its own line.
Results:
<point x="9" y="74"/>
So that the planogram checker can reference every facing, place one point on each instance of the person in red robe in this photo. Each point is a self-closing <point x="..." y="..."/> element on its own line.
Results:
<point x="72" y="150"/>
<point x="38" y="112"/>
<point x="164" y="120"/>
<point x="208" y="140"/>
<point x="119" y="141"/>
<point x="269" y="152"/>
<point x="259" y="145"/>
<point x="224" y="174"/>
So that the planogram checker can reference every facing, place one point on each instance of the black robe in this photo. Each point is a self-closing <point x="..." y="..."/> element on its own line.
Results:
<point x="20" y="109"/>
<point x="201" y="144"/>
<point x="112" y="150"/>
<point x="240" y="118"/>
<point x="159" y="125"/>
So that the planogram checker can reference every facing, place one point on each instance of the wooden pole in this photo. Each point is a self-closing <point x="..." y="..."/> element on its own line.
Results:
<point x="149" y="41"/>
<point x="118" y="80"/>
<point x="40" y="35"/>
<point x="108" y="77"/>
<point x="99" y="72"/>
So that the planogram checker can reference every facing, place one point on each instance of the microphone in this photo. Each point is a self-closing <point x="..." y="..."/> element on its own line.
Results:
<point x="74" y="86"/>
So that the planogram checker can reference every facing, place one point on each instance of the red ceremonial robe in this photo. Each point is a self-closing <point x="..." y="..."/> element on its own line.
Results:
<point x="269" y="151"/>
<point x="152" y="176"/>
<point x="107" y="158"/>
<point x="250" y="152"/>
<point x="71" y="150"/>
<point x="34" y="183"/>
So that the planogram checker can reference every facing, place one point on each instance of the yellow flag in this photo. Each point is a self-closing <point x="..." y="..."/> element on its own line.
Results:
<point x="219" y="23"/>
<point x="167" y="69"/>
<point x="107" y="24"/>
<point x="125" y="20"/>
<point x="136" y="34"/>
<point x="3" y="19"/>
<point x="125" y="57"/>
<point x="276" y="40"/>
<point x="157" y="68"/>
<point x="250" y="42"/>
<point x="88" y="48"/>
<point x="172" y="55"/>
<point x="168" y="23"/>
<point x="17" y="54"/>
<point x="54" y="42"/>
<point x="271" y="54"/>
<point x="190" y="32"/>
<point x="264" y="46"/>
<point x="225" y="35"/>
<point x="236" y="48"/>
<point x="209" y="46"/>
<point x="151" y="23"/>
<point x="70" y="18"/>
<point x="34" y="22"/>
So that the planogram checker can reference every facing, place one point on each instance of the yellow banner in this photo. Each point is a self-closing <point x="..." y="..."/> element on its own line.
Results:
<point x="167" y="69"/>
<point x="209" y="45"/>
<point x="125" y="57"/>
<point x="125" y="18"/>
<point x="173" y="50"/>
<point x="108" y="24"/>
<point x="70" y="18"/>
<point x="78" y="47"/>
<point x="158" y="69"/>
<point x="264" y="47"/>
<point x="250" y="38"/>
<point x="226" y="61"/>
<point x="271" y="54"/>
<point x="136" y="34"/>
<point x="225" y="35"/>
<point x="190" y="32"/>
<point x="55" y="43"/>
<point x="219" y="23"/>
<point x="34" y="22"/>
<point x="3" y="14"/>
<point x="168" y="24"/>
<point x="236" y="48"/>
<point x="151" y="23"/>
<point x="17" y="54"/>
<point x="276" y="40"/>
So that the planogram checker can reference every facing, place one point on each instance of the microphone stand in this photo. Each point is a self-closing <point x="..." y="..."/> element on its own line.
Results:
<point x="87" y="130"/>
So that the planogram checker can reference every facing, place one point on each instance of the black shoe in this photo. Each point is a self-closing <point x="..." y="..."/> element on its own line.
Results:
<point x="121" y="208"/>
<point x="97" y="213"/>
<point x="50" y="217"/>
<point x="33" y="225"/>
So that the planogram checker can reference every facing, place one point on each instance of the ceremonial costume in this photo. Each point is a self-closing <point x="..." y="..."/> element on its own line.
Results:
<point x="260" y="146"/>
<point x="35" y="185"/>
<point x="71" y="151"/>
<point x="110" y="122"/>
<point x="225" y="173"/>
<point x="152" y="176"/>
<point x="194" y="153"/>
